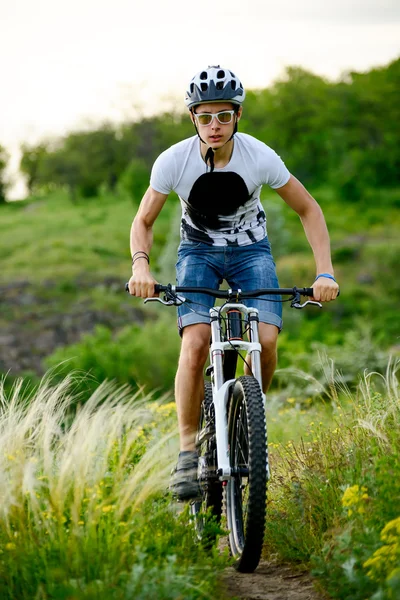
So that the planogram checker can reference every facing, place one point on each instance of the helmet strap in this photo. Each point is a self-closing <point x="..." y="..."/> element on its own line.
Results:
<point x="210" y="157"/>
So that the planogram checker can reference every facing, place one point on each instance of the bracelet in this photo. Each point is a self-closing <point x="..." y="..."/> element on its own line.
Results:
<point x="133" y="262"/>
<point x="327" y="275"/>
<point x="142" y="255"/>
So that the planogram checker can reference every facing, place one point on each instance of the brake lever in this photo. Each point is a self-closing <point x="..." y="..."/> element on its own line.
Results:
<point x="177" y="301"/>
<point x="166" y="303"/>
<point x="296" y="304"/>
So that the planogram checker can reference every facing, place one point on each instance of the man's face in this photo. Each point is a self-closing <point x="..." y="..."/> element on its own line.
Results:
<point x="215" y="134"/>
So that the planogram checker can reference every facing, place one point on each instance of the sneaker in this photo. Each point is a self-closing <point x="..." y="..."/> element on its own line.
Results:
<point x="184" y="484"/>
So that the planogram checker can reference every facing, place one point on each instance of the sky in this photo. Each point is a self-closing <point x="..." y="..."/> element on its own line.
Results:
<point x="68" y="64"/>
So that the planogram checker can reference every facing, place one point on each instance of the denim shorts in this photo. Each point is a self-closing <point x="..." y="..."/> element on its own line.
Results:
<point x="248" y="267"/>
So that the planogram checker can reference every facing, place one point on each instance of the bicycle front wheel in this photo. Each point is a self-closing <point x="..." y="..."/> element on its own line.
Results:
<point x="245" y="493"/>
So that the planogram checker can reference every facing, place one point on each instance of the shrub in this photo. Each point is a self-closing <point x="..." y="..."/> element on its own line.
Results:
<point x="141" y="355"/>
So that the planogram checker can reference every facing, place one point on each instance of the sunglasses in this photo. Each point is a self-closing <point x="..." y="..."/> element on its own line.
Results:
<point x="224" y="117"/>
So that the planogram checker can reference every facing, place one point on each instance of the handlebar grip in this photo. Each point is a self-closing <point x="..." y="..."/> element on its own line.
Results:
<point x="310" y="292"/>
<point x="157" y="287"/>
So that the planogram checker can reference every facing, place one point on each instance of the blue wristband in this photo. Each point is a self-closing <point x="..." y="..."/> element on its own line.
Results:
<point x="327" y="275"/>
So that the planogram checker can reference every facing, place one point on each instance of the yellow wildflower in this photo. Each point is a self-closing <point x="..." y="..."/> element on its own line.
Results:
<point x="391" y="532"/>
<point x="353" y="495"/>
<point x="383" y="563"/>
<point x="10" y="546"/>
<point x="108" y="508"/>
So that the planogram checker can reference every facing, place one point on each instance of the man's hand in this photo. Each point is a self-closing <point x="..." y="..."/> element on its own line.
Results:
<point x="325" y="289"/>
<point x="141" y="284"/>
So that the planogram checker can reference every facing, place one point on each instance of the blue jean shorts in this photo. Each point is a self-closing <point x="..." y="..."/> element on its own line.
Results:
<point x="246" y="267"/>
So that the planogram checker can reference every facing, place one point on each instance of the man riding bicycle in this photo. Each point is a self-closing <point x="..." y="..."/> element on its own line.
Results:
<point x="218" y="174"/>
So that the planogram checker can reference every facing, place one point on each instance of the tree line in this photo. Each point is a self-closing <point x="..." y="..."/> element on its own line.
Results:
<point x="345" y="134"/>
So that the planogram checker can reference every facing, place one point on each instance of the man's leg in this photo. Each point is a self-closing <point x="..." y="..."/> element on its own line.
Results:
<point x="268" y="339"/>
<point x="189" y="382"/>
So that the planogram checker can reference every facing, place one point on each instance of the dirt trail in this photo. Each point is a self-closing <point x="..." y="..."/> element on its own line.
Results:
<point x="270" y="582"/>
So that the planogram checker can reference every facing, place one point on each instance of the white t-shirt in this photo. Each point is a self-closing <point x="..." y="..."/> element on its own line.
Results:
<point x="221" y="208"/>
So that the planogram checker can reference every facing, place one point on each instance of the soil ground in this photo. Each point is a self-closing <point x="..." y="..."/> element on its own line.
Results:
<point x="270" y="582"/>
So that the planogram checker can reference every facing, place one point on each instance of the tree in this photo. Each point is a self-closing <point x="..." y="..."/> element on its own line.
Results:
<point x="4" y="158"/>
<point x="33" y="158"/>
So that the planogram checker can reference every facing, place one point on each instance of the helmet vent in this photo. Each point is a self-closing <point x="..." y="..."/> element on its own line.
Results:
<point x="233" y="84"/>
<point x="191" y="88"/>
<point x="203" y="75"/>
<point x="219" y="85"/>
<point x="204" y="87"/>
<point x="221" y="74"/>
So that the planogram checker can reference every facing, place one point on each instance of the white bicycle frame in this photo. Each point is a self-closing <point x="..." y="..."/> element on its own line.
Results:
<point x="221" y="389"/>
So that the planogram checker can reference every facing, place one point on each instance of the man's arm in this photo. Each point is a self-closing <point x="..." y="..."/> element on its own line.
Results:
<point x="142" y="282"/>
<point x="297" y="197"/>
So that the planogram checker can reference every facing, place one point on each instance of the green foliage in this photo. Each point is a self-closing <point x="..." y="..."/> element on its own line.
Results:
<point x="81" y="162"/>
<point x="31" y="164"/>
<point x="335" y="494"/>
<point x="134" y="181"/>
<point x="127" y="357"/>
<point x="344" y="133"/>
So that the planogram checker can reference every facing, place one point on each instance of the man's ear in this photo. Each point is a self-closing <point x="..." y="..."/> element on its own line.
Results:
<point x="239" y="113"/>
<point x="191" y="115"/>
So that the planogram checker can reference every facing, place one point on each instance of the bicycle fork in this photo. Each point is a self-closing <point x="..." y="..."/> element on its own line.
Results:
<point x="223" y="389"/>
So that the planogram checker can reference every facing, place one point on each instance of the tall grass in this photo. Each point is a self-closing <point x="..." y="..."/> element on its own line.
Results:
<point x="83" y="508"/>
<point x="335" y="492"/>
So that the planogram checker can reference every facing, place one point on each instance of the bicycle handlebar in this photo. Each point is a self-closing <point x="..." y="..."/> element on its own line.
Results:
<point x="234" y="293"/>
<point x="231" y="293"/>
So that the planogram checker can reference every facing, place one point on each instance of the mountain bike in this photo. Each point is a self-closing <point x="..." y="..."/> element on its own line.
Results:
<point x="233" y="466"/>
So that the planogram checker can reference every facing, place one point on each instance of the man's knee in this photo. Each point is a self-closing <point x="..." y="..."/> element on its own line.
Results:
<point x="268" y="335"/>
<point x="195" y="344"/>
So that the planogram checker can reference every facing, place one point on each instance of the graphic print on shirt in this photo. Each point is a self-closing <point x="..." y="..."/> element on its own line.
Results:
<point x="212" y="206"/>
<point x="222" y="208"/>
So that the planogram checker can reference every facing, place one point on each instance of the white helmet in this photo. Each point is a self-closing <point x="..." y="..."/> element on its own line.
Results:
<point x="214" y="85"/>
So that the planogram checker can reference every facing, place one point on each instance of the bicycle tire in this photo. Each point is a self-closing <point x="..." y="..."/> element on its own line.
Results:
<point x="245" y="496"/>
<point x="210" y="505"/>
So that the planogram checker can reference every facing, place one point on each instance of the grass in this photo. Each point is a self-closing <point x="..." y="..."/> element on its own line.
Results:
<point x="84" y="511"/>
<point x="65" y="240"/>
<point x="335" y="495"/>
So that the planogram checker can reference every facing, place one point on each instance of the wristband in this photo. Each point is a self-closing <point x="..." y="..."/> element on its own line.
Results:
<point x="327" y="275"/>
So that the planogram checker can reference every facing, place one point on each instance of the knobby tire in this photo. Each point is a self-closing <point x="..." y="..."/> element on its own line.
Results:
<point x="245" y="494"/>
